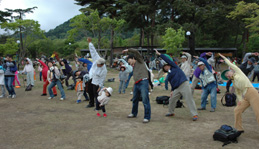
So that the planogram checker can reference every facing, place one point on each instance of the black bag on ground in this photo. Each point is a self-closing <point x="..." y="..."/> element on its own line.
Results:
<point x="230" y="99"/>
<point x="71" y="87"/>
<point x="162" y="100"/>
<point x="28" y="88"/>
<point x="111" y="80"/>
<point x="179" y="104"/>
<point x="226" y="134"/>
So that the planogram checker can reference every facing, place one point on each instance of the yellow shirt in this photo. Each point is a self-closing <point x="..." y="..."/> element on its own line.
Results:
<point x="240" y="81"/>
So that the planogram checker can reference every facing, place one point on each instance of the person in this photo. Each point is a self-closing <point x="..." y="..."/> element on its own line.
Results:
<point x="209" y="85"/>
<point x="80" y="85"/>
<point x="141" y="86"/>
<point x="16" y="78"/>
<point x="2" y="80"/>
<point x="197" y="72"/>
<point x="67" y="71"/>
<point x="180" y="87"/>
<point x="247" y="64"/>
<point x="29" y="70"/>
<point x="256" y="72"/>
<point x="247" y="95"/>
<point x="123" y="76"/>
<point x="186" y="64"/>
<point x="87" y="64"/>
<point x="54" y="80"/>
<point x="97" y="74"/>
<point x="102" y="100"/>
<point x="40" y="71"/>
<point x="10" y="69"/>
<point x="46" y="78"/>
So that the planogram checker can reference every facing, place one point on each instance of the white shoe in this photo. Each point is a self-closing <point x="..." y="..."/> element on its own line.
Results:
<point x="50" y="98"/>
<point x="2" y="96"/>
<point x="61" y="99"/>
<point x="149" y="93"/>
<point x="13" y="96"/>
<point x="131" y="116"/>
<point x="145" y="121"/>
<point x="131" y="93"/>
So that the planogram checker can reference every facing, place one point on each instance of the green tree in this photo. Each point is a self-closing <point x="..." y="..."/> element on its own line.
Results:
<point x="173" y="40"/>
<point x="10" y="47"/>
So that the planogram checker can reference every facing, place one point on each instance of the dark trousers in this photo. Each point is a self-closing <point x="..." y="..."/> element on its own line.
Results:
<point x="92" y="91"/>
<point x="256" y="74"/>
<point x="98" y="106"/>
<point x="68" y="76"/>
<point x="85" y="94"/>
<point x="40" y="76"/>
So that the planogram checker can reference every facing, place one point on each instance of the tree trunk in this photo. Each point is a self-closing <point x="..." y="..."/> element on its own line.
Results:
<point x="99" y="39"/>
<point x="140" y="37"/>
<point x="143" y="36"/>
<point x="20" y="57"/>
<point x="111" y="44"/>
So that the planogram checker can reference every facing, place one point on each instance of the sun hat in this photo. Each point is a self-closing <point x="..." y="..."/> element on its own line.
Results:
<point x="183" y="56"/>
<point x="110" y="90"/>
<point x="100" y="61"/>
<point x="223" y="76"/>
<point x="200" y="63"/>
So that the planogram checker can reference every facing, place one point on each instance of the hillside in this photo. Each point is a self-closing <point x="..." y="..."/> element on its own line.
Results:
<point x="60" y="31"/>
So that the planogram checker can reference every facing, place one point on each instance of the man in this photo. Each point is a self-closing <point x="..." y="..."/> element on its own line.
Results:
<point x="243" y="87"/>
<point x="209" y="85"/>
<point x="197" y="72"/>
<point x="186" y="64"/>
<point x="97" y="74"/>
<point x="29" y="70"/>
<point x="180" y="87"/>
<point x="247" y="64"/>
<point x="10" y="69"/>
<point x="140" y="74"/>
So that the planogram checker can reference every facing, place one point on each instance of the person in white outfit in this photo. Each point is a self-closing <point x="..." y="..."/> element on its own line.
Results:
<point x="29" y="70"/>
<point x="102" y="100"/>
<point x="186" y="64"/>
<point x="2" y="80"/>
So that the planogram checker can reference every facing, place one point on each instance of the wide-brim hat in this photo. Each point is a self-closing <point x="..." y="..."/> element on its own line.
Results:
<point x="223" y="76"/>
<point x="110" y="90"/>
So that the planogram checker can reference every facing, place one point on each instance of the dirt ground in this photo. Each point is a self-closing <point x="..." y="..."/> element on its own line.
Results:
<point x="31" y="121"/>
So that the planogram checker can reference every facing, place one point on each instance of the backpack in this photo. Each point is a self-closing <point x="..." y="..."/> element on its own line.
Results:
<point x="111" y="80"/>
<point x="179" y="104"/>
<point x="230" y="99"/>
<point x="226" y="134"/>
<point x="162" y="100"/>
<point x="13" y="69"/>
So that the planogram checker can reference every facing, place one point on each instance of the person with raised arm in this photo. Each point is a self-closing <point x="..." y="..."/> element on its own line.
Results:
<point x="180" y="87"/>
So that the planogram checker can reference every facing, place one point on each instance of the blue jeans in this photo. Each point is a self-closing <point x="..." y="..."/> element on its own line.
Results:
<point x="58" y="83"/>
<point x="9" y="85"/>
<point x="141" y="89"/>
<point x="130" y="75"/>
<point x="212" y="90"/>
<point x="166" y="82"/>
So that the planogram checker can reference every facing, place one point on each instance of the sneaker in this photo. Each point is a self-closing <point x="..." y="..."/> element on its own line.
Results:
<point x="50" y="98"/>
<point x="89" y="106"/>
<point x="9" y="96"/>
<point x="131" y="93"/>
<point x="2" y="96"/>
<point x="212" y="110"/>
<point x="201" y="108"/>
<point x="55" y="95"/>
<point x="145" y="121"/>
<point x="149" y="93"/>
<point x="195" y="118"/>
<point x="61" y="99"/>
<point x="13" y="96"/>
<point x="104" y="115"/>
<point x="43" y="94"/>
<point x="98" y="114"/>
<point x="78" y="101"/>
<point x="131" y="116"/>
<point x="169" y="114"/>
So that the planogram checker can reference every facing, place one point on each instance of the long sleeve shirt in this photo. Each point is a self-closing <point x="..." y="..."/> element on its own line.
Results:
<point x="123" y="75"/>
<point x="7" y="66"/>
<point x="140" y="70"/>
<point x="175" y="76"/>
<point x="186" y="66"/>
<point x="97" y="74"/>
<point x="197" y="71"/>
<point x="45" y="69"/>
<point x="129" y="68"/>
<point x="240" y="81"/>
<point x="28" y="67"/>
<point x="88" y="62"/>
<point x="102" y="98"/>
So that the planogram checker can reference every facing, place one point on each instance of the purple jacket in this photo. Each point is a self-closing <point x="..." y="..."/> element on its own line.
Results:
<point x="197" y="71"/>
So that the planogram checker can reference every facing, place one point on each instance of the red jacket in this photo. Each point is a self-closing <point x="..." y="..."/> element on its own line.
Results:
<point x="44" y="70"/>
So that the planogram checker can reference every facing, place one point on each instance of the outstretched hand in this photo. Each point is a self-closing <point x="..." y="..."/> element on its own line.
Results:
<point x="37" y="59"/>
<point x="157" y="53"/>
<point x="197" y="57"/>
<point x="222" y="56"/>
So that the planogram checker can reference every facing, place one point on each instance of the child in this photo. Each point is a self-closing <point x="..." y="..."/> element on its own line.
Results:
<point x="16" y="78"/>
<point x="102" y="100"/>
<point x="123" y="77"/>
<point x="2" y="80"/>
<point x="80" y="90"/>
<point x="29" y="70"/>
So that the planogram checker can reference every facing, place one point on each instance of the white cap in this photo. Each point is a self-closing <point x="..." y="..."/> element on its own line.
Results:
<point x="100" y="61"/>
<point x="200" y="63"/>
<point x="110" y="90"/>
<point x="184" y="56"/>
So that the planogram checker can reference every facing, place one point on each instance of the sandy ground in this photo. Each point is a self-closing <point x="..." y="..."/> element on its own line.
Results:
<point x="34" y="122"/>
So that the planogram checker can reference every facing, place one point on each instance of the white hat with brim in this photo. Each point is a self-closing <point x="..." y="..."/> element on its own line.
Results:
<point x="100" y="61"/>
<point x="110" y="90"/>
<point x="200" y="63"/>
<point x="184" y="56"/>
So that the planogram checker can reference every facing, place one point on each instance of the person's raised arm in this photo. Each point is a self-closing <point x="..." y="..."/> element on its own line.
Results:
<point x="206" y="63"/>
<point x="42" y="63"/>
<point x="136" y="54"/>
<point x="234" y="67"/>
<point x="95" y="56"/>
<point x="166" y="59"/>
<point x="246" y="57"/>
<point x="128" y="67"/>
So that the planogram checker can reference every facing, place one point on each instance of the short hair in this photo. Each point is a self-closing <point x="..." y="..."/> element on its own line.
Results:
<point x="131" y="56"/>
<point x="164" y="67"/>
<point x="9" y="55"/>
